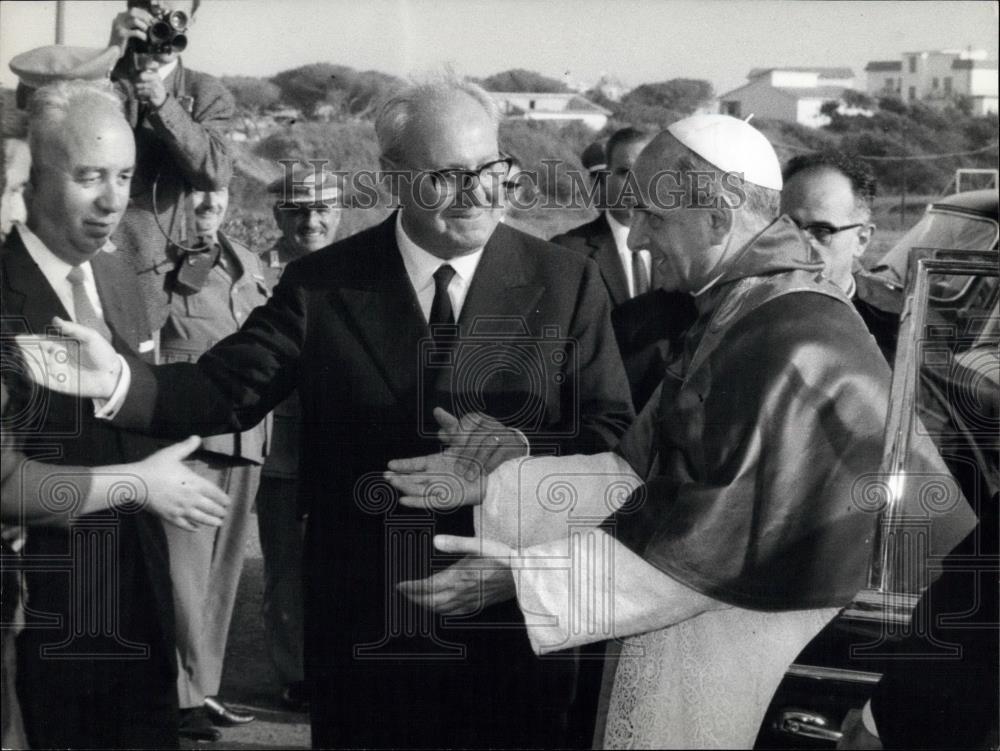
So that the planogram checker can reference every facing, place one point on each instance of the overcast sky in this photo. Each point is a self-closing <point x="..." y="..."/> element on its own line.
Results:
<point x="634" y="40"/>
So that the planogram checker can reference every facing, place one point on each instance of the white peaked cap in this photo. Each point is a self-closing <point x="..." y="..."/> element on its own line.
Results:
<point x="732" y="145"/>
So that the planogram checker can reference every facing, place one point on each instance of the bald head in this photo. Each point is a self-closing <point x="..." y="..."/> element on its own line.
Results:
<point x="84" y="154"/>
<point x="443" y="102"/>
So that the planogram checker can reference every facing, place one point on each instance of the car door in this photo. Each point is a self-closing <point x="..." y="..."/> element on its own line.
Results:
<point x="946" y="385"/>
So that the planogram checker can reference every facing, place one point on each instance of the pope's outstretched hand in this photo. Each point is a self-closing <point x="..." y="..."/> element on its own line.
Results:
<point x="78" y="361"/>
<point x="483" y="577"/>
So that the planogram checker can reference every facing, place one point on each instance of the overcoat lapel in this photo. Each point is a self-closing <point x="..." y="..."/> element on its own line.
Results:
<point x="109" y="290"/>
<point x="606" y="255"/>
<point x="500" y="287"/>
<point x="382" y="308"/>
<point x="28" y="293"/>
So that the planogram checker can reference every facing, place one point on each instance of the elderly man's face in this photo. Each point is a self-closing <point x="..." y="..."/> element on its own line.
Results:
<point x="679" y="236"/>
<point x="209" y="211"/>
<point x="17" y="166"/>
<point x="823" y="196"/>
<point x="457" y="134"/>
<point x="79" y="186"/>
<point x="307" y="228"/>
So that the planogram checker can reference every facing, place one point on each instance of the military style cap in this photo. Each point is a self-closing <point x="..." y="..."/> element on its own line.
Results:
<point x="44" y="65"/>
<point x="593" y="157"/>
<point x="732" y="145"/>
<point x="57" y="62"/>
<point x="305" y="185"/>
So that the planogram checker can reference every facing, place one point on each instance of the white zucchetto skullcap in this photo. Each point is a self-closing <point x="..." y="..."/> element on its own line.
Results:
<point x="731" y="145"/>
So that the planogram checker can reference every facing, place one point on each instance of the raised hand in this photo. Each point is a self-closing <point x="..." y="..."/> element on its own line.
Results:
<point x="436" y="481"/>
<point x="149" y="87"/>
<point x="129" y="24"/>
<point x="481" y="442"/>
<point x="79" y="362"/>
<point x="175" y="493"/>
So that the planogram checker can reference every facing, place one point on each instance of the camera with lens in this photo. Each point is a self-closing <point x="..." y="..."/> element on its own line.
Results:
<point x="166" y="33"/>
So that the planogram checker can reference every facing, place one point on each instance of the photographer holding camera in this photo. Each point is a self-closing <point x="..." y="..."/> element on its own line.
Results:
<point x="179" y="117"/>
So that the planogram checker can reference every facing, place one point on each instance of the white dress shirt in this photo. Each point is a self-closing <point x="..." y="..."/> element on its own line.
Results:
<point x="620" y="232"/>
<point x="421" y="265"/>
<point x="55" y="271"/>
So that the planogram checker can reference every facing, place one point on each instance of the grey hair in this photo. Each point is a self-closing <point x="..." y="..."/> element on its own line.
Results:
<point x="50" y="106"/>
<point x="397" y="113"/>
<point x="763" y="203"/>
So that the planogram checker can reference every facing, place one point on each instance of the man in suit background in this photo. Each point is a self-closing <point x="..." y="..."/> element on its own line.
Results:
<point x="96" y="658"/>
<point x="438" y="306"/>
<point x="179" y="117"/>
<point x="625" y="273"/>
<point x="215" y="285"/>
<point x="829" y="196"/>
<point x="648" y="322"/>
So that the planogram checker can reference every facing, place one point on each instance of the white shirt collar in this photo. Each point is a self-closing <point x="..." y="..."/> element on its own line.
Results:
<point x="620" y="232"/>
<point x="852" y="288"/>
<point x="165" y="70"/>
<point x="420" y="267"/>
<point x="55" y="270"/>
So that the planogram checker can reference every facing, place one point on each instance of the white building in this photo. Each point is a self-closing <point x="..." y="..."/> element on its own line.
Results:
<point x="937" y="77"/>
<point x="791" y="94"/>
<point x="563" y="108"/>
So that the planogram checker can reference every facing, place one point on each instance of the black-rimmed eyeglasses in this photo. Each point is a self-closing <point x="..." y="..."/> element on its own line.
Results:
<point x="823" y="232"/>
<point x="491" y="175"/>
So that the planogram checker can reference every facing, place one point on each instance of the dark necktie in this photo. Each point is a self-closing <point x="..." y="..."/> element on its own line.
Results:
<point x="83" y="308"/>
<point x="441" y="310"/>
<point x="640" y="276"/>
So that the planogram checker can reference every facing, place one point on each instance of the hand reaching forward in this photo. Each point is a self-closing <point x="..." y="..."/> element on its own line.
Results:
<point x="79" y="362"/>
<point x="481" y="443"/>
<point x="466" y="587"/>
<point x="436" y="482"/>
<point x="174" y="492"/>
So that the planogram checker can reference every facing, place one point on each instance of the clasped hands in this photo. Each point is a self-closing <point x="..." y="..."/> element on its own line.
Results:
<point x="475" y="445"/>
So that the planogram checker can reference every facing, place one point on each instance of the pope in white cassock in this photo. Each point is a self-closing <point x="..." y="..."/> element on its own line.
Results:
<point x="727" y="528"/>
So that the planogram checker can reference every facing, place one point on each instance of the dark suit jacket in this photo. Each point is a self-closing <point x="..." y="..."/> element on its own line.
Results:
<point x="345" y="330"/>
<point x="647" y="327"/>
<point x="181" y="146"/>
<point x="63" y="430"/>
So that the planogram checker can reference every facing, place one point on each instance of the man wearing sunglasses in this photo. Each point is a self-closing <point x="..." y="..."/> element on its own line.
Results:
<point x="829" y="196"/>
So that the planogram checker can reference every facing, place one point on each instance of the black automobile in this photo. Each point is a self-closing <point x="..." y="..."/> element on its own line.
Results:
<point x="940" y="281"/>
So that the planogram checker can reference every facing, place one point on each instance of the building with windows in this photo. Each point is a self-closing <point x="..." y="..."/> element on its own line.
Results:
<point x="557" y="107"/>
<point x="791" y="94"/>
<point x="937" y="78"/>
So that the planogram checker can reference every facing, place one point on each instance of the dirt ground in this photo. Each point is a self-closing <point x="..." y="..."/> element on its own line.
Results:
<point x="248" y="682"/>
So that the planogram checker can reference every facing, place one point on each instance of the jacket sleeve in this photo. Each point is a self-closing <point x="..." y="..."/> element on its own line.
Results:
<point x="197" y="140"/>
<point x="234" y="385"/>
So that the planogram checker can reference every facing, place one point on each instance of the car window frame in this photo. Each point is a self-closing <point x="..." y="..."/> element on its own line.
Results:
<point x="877" y="601"/>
